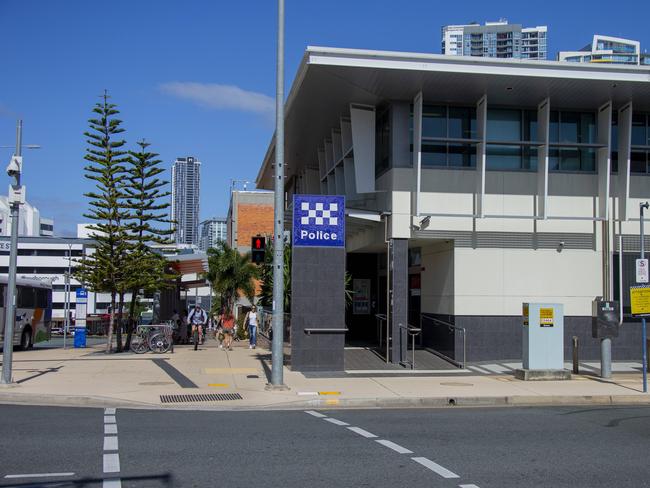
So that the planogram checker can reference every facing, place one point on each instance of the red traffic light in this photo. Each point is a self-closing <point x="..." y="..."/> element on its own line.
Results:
<point x="258" y="243"/>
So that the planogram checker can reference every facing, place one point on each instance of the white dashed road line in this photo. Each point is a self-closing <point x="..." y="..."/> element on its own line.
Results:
<point x="335" y="421"/>
<point x="110" y="443"/>
<point x="111" y="460"/>
<point x="38" y="475"/>
<point x="435" y="467"/>
<point x="315" y="414"/>
<point x="364" y="433"/>
<point x="111" y="463"/>
<point x="427" y="463"/>
<point x="394" y="447"/>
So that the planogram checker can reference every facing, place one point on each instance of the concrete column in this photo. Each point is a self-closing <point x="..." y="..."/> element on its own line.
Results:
<point x="399" y="297"/>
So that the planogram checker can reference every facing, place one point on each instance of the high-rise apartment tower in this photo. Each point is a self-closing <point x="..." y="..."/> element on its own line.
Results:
<point x="186" y="185"/>
<point x="495" y="40"/>
<point x="212" y="231"/>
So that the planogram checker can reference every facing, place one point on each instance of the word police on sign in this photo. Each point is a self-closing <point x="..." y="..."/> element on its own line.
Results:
<point x="318" y="221"/>
<point x="641" y="270"/>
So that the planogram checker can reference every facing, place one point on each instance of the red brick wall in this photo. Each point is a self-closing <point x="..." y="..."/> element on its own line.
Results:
<point x="252" y="220"/>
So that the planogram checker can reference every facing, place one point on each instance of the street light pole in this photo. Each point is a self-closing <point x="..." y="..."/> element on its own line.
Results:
<point x="66" y="322"/>
<point x="278" y="245"/>
<point x="643" y="206"/>
<point x="10" y="296"/>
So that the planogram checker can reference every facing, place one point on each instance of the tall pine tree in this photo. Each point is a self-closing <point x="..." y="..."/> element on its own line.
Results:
<point x="103" y="270"/>
<point x="146" y="199"/>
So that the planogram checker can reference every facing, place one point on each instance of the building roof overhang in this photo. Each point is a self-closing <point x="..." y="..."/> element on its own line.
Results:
<point x="329" y="79"/>
<point x="185" y="264"/>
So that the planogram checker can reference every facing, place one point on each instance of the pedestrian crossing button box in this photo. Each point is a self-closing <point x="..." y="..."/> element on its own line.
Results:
<point x="605" y="319"/>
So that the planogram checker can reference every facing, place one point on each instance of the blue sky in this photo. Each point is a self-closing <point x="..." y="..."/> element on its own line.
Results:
<point x="197" y="77"/>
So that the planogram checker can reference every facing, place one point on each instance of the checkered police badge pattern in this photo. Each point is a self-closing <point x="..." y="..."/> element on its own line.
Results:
<point x="319" y="213"/>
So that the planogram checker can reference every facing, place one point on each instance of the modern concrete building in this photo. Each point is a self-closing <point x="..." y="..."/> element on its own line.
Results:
<point x="186" y="186"/>
<point x="31" y="223"/>
<point x="250" y="213"/>
<point x="480" y="184"/>
<point x="49" y="258"/>
<point x="495" y="40"/>
<point x="212" y="231"/>
<point x="606" y="49"/>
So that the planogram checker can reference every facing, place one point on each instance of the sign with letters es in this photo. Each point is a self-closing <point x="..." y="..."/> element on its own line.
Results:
<point x="318" y="221"/>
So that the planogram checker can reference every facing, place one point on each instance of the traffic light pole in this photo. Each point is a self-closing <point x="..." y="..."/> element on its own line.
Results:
<point x="277" y="352"/>
<point x="10" y="296"/>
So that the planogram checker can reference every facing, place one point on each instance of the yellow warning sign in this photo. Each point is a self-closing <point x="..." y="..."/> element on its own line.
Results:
<point x="640" y="300"/>
<point x="546" y="317"/>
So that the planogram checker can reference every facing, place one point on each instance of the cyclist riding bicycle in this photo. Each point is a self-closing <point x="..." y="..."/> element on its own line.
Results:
<point x="197" y="318"/>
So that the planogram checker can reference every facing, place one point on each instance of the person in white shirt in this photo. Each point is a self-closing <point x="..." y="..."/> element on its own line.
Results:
<point x="251" y="318"/>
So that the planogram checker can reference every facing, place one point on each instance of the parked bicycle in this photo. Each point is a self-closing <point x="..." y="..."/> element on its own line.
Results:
<point x="154" y="338"/>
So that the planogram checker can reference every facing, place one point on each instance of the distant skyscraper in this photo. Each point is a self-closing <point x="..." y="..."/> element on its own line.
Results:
<point x="212" y="231"/>
<point x="495" y="40"/>
<point x="606" y="49"/>
<point x="186" y="184"/>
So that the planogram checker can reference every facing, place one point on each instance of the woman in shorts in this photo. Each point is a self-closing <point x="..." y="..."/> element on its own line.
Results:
<point x="228" y="326"/>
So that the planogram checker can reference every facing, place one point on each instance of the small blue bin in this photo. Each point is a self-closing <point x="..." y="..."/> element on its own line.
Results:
<point x="79" y="337"/>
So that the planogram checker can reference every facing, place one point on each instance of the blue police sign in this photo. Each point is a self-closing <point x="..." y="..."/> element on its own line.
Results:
<point x="318" y="221"/>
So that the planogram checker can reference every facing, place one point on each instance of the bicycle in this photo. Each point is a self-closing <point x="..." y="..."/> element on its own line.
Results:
<point x="151" y="338"/>
<point x="197" y="334"/>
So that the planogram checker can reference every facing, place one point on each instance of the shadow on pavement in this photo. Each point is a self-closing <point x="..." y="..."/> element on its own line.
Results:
<point x="163" y="480"/>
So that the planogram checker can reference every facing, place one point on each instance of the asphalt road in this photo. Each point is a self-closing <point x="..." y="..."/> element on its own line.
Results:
<point x="469" y="448"/>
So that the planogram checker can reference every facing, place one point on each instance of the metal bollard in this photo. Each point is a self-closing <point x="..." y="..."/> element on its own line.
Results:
<point x="576" y="368"/>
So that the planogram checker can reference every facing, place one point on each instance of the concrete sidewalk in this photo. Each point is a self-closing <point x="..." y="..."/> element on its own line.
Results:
<point x="88" y="377"/>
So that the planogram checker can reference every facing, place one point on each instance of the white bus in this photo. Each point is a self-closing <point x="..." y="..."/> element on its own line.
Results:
<point x="33" y="311"/>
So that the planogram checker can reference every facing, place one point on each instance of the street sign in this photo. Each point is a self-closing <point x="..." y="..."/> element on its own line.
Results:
<point x="318" y="221"/>
<point x="640" y="300"/>
<point x="80" y="318"/>
<point x="642" y="271"/>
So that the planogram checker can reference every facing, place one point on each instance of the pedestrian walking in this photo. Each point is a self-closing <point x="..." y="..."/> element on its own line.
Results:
<point x="251" y="320"/>
<point x="228" y="325"/>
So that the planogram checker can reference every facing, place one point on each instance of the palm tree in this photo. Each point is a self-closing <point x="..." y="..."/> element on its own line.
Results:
<point x="231" y="273"/>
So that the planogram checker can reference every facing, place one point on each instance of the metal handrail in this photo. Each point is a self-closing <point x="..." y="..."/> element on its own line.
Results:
<point x="412" y="331"/>
<point x="325" y="330"/>
<point x="454" y="327"/>
<point x="384" y="318"/>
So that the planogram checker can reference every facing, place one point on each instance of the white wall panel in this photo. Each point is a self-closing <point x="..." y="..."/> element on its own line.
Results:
<point x="363" y="140"/>
<point x="437" y="279"/>
<point x="624" y="146"/>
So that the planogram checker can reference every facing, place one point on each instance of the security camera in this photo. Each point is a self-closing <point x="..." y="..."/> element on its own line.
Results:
<point x="15" y="166"/>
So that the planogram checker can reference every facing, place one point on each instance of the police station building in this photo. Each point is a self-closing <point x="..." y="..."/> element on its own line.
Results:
<point x="471" y="186"/>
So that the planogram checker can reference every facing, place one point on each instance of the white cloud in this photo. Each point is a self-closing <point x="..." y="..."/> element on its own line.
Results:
<point x="221" y="97"/>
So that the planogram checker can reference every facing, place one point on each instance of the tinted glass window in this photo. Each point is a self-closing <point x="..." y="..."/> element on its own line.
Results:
<point x="26" y="298"/>
<point x="639" y="130"/>
<point x="41" y="297"/>
<point x="434" y="121"/>
<point x="462" y="123"/>
<point x="503" y="125"/>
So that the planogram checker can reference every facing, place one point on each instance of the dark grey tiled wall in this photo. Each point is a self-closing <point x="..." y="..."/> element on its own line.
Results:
<point x="317" y="301"/>
<point x="399" y="281"/>
<point x="499" y="338"/>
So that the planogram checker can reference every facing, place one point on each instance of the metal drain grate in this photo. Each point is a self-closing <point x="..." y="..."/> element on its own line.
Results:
<point x="202" y="397"/>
